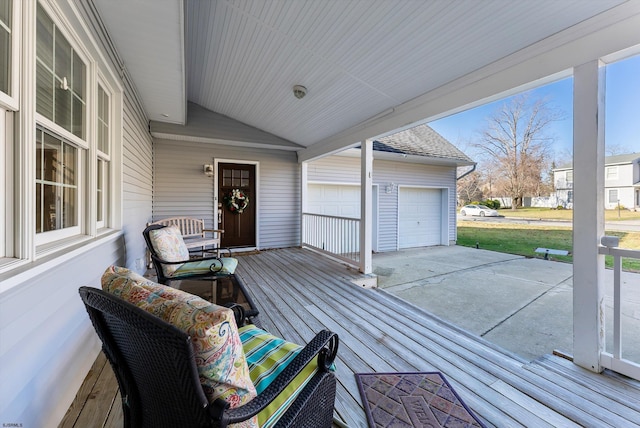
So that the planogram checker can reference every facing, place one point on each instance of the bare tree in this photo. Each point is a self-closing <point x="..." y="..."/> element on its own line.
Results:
<point x="469" y="188"/>
<point x="516" y="140"/>
<point x="613" y="149"/>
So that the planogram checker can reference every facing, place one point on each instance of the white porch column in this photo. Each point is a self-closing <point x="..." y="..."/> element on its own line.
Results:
<point x="366" y="209"/>
<point x="588" y="214"/>
<point x="303" y="197"/>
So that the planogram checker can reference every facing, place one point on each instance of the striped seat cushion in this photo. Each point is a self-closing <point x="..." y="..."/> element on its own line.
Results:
<point x="229" y="265"/>
<point x="267" y="357"/>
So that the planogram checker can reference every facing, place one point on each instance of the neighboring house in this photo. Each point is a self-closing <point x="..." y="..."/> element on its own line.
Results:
<point x="621" y="182"/>
<point x="414" y="188"/>
<point x="110" y="108"/>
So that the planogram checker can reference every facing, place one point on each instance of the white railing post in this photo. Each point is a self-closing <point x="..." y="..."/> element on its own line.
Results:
<point x="614" y="359"/>
<point x="303" y="199"/>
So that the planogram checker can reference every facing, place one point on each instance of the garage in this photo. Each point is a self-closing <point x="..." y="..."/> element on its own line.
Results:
<point x="334" y="199"/>
<point x="419" y="217"/>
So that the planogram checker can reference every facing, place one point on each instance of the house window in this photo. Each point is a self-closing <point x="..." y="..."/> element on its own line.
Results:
<point x="69" y="190"/>
<point x="104" y="150"/>
<point x="9" y="49"/>
<point x="61" y="149"/>
<point x="57" y="165"/>
<point x="612" y="173"/>
<point x="60" y="78"/>
<point x="613" y="196"/>
<point x="569" y="177"/>
<point x="5" y="135"/>
<point x="570" y="196"/>
<point x="6" y="51"/>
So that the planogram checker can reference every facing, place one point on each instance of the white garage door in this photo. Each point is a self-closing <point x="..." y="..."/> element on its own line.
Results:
<point x="334" y="199"/>
<point x="420" y="221"/>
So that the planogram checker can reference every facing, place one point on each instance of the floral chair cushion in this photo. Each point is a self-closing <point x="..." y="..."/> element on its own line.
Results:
<point x="221" y="361"/>
<point x="169" y="246"/>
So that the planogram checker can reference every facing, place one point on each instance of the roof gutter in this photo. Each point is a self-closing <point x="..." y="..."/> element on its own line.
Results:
<point x="468" y="172"/>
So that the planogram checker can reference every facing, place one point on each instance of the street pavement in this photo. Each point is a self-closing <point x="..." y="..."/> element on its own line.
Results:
<point x="521" y="304"/>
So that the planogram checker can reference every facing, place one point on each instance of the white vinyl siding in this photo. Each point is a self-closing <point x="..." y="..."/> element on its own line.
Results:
<point x="390" y="174"/>
<point x="182" y="188"/>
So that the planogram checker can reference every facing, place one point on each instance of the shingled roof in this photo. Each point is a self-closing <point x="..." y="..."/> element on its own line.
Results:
<point x="421" y="140"/>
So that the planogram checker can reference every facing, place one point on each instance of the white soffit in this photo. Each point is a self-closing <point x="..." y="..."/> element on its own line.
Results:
<point x="356" y="58"/>
<point x="149" y="36"/>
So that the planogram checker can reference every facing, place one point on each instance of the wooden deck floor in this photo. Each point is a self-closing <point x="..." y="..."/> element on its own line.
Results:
<point x="299" y="293"/>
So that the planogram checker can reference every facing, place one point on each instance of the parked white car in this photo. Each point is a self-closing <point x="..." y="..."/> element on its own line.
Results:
<point x="481" y="210"/>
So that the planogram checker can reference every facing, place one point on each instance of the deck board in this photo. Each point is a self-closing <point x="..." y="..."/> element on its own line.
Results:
<point x="300" y="292"/>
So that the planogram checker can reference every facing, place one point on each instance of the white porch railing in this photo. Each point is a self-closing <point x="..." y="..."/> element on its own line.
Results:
<point x="336" y="236"/>
<point x="614" y="360"/>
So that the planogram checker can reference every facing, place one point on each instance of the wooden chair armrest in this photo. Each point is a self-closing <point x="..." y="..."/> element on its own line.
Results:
<point x="213" y="230"/>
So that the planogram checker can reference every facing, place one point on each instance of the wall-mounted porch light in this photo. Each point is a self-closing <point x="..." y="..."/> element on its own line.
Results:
<point x="208" y="170"/>
<point x="389" y="187"/>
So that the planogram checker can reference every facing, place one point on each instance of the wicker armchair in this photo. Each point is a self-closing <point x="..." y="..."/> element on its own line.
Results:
<point x="156" y="370"/>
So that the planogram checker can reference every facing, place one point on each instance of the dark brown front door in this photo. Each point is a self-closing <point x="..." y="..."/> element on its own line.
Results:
<point x="239" y="227"/>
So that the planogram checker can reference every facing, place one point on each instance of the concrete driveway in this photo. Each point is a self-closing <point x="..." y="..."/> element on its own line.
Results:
<point x="521" y="304"/>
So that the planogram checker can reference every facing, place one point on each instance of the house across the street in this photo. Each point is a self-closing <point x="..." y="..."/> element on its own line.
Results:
<point x="621" y="182"/>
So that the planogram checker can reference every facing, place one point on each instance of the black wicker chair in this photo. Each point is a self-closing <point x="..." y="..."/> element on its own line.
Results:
<point x="216" y="263"/>
<point x="158" y="378"/>
<point x="213" y="274"/>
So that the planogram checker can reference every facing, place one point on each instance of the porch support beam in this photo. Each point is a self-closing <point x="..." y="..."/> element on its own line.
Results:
<point x="304" y="177"/>
<point x="588" y="215"/>
<point x="366" y="206"/>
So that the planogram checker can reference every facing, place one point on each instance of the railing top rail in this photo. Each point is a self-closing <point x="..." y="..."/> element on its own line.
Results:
<point x="331" y="216"/>
<point x="622" y="252"/>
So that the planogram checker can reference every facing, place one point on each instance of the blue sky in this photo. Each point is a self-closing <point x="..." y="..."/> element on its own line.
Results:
<point x="622" y="115"/>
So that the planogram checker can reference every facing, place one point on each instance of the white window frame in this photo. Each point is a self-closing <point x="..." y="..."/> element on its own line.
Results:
<point x="11" y="101"/>
<point x="610" y="194"/>
<point x="42" y="239"/>
<point x="5" y="137"/>
<point x="104" y="157"/>
<point x="58" y="234"/>
<point x="611" y="173"/>
<point x="569" y="177"/>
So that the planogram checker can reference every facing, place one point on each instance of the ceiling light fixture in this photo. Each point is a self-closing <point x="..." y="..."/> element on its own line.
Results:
<point x="299" y="91"/>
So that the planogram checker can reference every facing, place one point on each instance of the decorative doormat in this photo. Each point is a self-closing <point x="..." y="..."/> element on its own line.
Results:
<point x="415" y="400"/>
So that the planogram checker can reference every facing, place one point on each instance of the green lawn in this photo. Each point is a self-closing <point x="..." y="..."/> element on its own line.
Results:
<point x="523" y="239"/>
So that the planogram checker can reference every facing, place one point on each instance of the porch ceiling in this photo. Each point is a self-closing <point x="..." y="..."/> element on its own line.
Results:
<point x="360" y="60"/>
